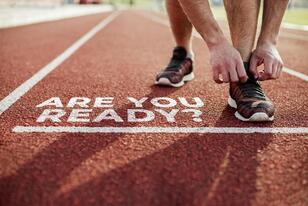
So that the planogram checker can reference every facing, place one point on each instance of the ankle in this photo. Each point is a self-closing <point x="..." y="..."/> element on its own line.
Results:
<point x="191" y="55"/>
<point x="244" y="50"/>
<point x="245" y="55"/>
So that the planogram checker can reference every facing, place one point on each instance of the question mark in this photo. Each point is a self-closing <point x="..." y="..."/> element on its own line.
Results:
<point x="196" y="114"/>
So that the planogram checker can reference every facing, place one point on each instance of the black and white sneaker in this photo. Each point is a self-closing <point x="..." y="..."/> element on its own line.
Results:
<point x="178" y="71"/>
<point x="250" y="100"/>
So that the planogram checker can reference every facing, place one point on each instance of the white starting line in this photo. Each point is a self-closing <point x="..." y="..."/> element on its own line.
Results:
<point x="201" y="130"/>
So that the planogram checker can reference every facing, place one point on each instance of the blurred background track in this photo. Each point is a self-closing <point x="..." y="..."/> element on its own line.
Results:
<point x="122" y="60"/>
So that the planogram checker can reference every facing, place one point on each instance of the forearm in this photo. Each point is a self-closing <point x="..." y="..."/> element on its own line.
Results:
<point x="272" y="16"/>
<point x="200" y="15"/>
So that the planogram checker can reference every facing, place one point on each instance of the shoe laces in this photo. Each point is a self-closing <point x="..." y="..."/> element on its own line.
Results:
<point x="175" y="64"/>
<point x="252" y="89"/>
<point x="178" y="58"/>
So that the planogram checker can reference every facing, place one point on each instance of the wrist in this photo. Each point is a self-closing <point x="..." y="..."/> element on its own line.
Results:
<point x="215" y="41"/>
<point x="267" y="41"/>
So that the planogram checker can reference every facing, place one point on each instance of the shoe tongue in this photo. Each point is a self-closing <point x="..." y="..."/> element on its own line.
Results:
<point x="250" y="75"/>
<point x="179" y="53"/>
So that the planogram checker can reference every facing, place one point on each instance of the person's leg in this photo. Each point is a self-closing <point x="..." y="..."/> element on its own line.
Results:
<point x="180" y="68"/>
<point x="248" y="98"/>
<point x="266" y="51"/>
<point x="243" y="19"/>
<point x="180" y="25"/>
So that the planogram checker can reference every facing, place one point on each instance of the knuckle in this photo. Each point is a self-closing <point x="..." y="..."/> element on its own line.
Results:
<point x="216" y="70"/>
<point x="226" y="80"/>
<point x="242" y="76"/>
<point x="228" y="64"/>
<point x="270" y="57"/>
<point x="219" y="69"/>
<point x="268" y="73"/>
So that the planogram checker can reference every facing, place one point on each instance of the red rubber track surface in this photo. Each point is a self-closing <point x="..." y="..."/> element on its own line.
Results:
<point x="144" y="169"/>
<point x="26" y="49"/>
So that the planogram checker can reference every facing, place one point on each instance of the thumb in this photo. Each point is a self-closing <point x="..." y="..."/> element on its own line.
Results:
<point x="253" y="67"/>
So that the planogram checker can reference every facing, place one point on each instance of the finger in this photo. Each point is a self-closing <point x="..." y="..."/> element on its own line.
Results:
<point x="259" y="62"/>
<point x="261" y="73"/>
<point x="225" y="76"/>
<point x="241" y="72"/>
<point x="268" y="70"/>
<point x="264" y="76"/>
<point x="216" y="76"/>
<point x="268" y="67"/>
<point x="233" y="74"/>
<point x="275" y="71"/>
<point x="253" y="67"/>
<point x="280" y="70"/>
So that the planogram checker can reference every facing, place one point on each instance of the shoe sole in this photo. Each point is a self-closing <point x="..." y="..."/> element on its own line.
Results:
<point x="166" y="82"/>
<point x="256" y="117"/>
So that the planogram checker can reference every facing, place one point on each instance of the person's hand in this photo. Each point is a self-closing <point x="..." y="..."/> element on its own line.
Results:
<point x="227" y="64"/>
<point x="267" y="54"/>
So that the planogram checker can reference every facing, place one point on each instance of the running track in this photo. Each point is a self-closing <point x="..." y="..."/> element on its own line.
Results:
<point x="121" y="60"/>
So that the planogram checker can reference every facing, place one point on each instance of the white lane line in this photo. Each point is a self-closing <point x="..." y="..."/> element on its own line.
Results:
<point x="293" y="36"/>
<point x="27" y="85"/>
<point x="215" y="130"/>
<point x="295" y="26"/>
<point x="287" y="28"/>
<point x="295" y="73"/>
<point x="290" y="26"/>
<point x="197" y="35"/>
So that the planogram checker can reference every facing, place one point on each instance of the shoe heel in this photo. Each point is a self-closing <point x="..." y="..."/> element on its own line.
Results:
<point x="189" y="77"/>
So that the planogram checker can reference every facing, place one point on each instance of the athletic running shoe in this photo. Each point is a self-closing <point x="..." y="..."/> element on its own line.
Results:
<point x="250" y="101"/>
<point x="178" y="71"/>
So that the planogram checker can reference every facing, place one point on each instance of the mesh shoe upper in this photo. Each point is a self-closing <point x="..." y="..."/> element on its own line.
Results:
<point x="250" y="98"/>
<point x="178" y="67"/>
